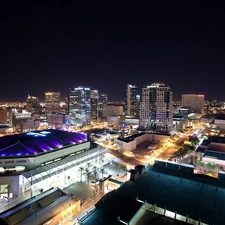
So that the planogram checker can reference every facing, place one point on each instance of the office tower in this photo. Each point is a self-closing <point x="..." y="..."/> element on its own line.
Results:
<point x="156" y="108"/>
<point x="52" y="102"/>
<point x="138" y="100"/>
<point x="33" y="104"/>
<point x="94" y="94"/>
<point x="103" y="101"/>
<point x="130" y="100"/>
<point x="94" y="106"/>
<point x="194" y="101"/>
<point x="79" y="105"/>
<point x="94" y="110"/>
<point x="3" y="115"/>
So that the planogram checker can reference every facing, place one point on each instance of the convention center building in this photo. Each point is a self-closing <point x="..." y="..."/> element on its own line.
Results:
<point x="38" y="161"/>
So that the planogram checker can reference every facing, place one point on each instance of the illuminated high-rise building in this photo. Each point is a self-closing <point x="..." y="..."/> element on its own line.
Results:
<point x="52" y="102"/>
<point x="194" y="101"/>
<point x="94" y="106"/>
<point x="33" y="104"/>
<point x="79" y="105"/>
<point x="156" y="108"/>
<point x="103" y="101"/>
<point x="131" y="100"/>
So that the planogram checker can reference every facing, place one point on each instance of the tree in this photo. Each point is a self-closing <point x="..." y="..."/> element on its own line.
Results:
<point x="95" y="171"/>
<point x="88" y="165"/>
<point x="88" y="174"/>
<point x="81" y="169"/>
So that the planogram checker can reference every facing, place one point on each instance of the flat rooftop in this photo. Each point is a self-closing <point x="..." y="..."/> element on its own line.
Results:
<point x="192" y="195"/>
<point x="38" y="142"/>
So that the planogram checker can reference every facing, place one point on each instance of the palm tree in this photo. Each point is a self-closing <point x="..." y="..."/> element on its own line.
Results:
<point x="81" y="169"/>
<point x="95" y="171"/>
<point x="88" y="174"/>
<point x="88" y="165"/>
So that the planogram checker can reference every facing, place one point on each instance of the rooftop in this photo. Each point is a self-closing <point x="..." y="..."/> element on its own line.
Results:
<point x="39" y="209"/>
<point x="199" y="197"/>
<point x="38" y="142"/>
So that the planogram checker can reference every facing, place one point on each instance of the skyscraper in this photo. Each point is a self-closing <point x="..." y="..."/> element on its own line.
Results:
<point x="103" y="101"/>
<point x="94" y="106"/>
<point x="33" y="104"/>
<point x="52" y="102"/>
<point x="194" y="101"/>
<point x="79" y="105"/>
<point x="156" y="108"/>
<point x="131" y="100"/>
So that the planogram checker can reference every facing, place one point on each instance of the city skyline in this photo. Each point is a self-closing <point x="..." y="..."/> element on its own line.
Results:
<point x="53" y="47"/>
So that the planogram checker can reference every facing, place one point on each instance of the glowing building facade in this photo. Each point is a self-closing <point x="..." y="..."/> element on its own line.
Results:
<point x="103" y="101"/>
<point x="194" y="101"/>
<point x="79" y="105"/>
<point x="131" y="100"/>
<point x="52" y="102"/>
<point x="156" y="108"/>
<point x="94" y="101"/>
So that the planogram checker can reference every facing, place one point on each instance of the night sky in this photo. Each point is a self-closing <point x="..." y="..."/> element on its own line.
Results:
<point x="108" y="44"/>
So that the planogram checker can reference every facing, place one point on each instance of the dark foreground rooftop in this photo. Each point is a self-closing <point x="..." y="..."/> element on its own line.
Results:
<point x="193" y="196"/>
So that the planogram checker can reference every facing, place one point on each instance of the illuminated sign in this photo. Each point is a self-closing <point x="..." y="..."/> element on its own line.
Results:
<point x="41" y="134"/>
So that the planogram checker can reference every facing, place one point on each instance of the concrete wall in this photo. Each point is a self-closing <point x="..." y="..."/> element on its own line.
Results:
<point x="57" y="154"/>
<point x="32" y="162"/>
<point x="131" y="145"/>
<point x="14" y="184"/>
<point x="174" y="165"/>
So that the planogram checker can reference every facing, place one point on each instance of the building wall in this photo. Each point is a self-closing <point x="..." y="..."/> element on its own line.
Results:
<point x="52" y="102"/>
<point x="57" y="120"/>
<point x="30" y="124"/>
<point x="112" y="110"/>
<point x="115" y="120"/>
<point x="130" y="100"/>
<point x="57" y="154"/>
<point x="32" y="162"/>
<point x="220" y="123"/>
<point x="194" y="101"/>
<point x="3" y="116"/>
<point x="131" y="145"/>
<point x="94" y="110"/>
<point x="132" y="121"/>
<point x="70" y="211"/>
<point x="13" y="183"/>
<point x="156" y="108"/>
<point x="79" y="105"/>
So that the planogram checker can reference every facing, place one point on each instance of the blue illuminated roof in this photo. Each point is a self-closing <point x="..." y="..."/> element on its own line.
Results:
<point x="38" y="142"/>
